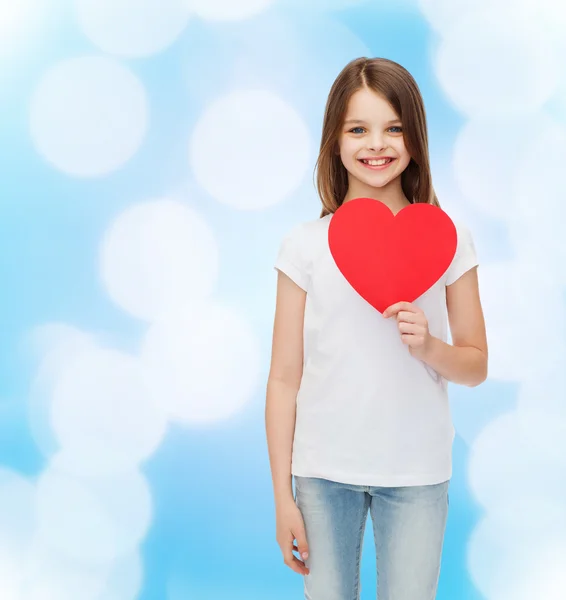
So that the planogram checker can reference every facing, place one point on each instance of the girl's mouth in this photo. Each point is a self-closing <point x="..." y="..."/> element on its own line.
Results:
<point x="376" y="165"/>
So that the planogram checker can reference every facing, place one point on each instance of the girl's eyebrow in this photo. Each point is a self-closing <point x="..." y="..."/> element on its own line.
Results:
<point x="362" y="121"/>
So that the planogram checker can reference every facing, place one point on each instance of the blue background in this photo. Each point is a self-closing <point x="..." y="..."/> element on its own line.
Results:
<point x="212" y="534"/>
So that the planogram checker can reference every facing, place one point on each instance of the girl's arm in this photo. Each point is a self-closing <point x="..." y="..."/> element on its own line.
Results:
<point x="283" y="383"/>
<point x="463" y="362"/>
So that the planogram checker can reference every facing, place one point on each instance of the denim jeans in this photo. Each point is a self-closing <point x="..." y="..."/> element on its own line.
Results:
<point x="408" y="528"/>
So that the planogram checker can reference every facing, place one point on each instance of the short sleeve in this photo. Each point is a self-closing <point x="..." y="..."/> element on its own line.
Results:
<point x="291" y="258"/>
<point x="465" y="257"/>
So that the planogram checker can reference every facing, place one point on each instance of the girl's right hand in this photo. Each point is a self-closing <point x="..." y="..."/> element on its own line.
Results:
<point x="290" y="527"/>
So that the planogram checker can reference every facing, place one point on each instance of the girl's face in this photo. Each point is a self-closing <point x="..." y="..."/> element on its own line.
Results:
<point x="372" y="130"/>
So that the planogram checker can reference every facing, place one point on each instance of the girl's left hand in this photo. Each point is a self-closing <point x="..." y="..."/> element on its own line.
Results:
<point x="413" y="326"/>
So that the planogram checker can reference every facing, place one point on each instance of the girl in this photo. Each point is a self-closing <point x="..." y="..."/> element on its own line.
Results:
<point x="357" y="408"/>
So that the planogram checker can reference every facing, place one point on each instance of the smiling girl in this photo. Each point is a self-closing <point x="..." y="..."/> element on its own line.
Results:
<point x="357" y="408"/>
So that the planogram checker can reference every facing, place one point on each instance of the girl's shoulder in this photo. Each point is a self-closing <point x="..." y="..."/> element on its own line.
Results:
<point x="299" y="248"/>
<point x="464" y="234"/>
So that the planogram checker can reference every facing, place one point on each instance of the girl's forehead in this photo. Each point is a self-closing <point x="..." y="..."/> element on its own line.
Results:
<point x="366" y="104"/>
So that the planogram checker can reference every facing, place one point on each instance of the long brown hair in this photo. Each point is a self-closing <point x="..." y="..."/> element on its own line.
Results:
<point x="393" y="82"/>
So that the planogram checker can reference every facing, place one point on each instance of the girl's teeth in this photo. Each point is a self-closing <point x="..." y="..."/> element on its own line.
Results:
<point x="377" y="163"/>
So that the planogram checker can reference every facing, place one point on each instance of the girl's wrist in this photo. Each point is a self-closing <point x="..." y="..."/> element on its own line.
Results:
<point x="284" y="500"/>
<point x="283" y="490"/>
<point x="427" y="350"/>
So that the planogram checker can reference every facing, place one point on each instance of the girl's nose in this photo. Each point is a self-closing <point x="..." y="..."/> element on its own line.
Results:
<point x="376" y="147"/>
<point x="376" y="143"/>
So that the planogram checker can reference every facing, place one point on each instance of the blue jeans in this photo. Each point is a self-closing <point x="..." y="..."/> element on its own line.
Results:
<point x="408" y="528"/>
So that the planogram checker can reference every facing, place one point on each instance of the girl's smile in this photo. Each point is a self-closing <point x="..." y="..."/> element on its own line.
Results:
<point x="375" y="164"/>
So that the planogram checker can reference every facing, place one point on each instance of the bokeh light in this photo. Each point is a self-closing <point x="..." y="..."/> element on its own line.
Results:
<point x="158" y="256"/>
<point x="250" y="150"/>
<point x="154" y="154"/>
<point x="88" y="116"/>
<point x="132" y="28"/>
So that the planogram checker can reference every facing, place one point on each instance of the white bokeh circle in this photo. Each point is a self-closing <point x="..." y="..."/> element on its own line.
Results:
<point x="53" y="343"/>
<point x="48" y="575"/>
<point x="264" y="52"/>
<point x="132" y="28"/>
<point x="157" y="256"/>
<point x="493" y="64"/>
<point x="202" y="365"/>
<point x="521" y="344"/>
<point x="17" y="512"/>
<point x="17" y="528"/>
<point x="250" y="149"/>
<point x="539" y="246"/>
<point x="88" y="115"/>
<point x="540" y="193"/>
<point x="513" y="480"/>
<point x="55" y="346"/>
<point x="443" y="15"/>
<point x="21" y="22"/>
<point x="125" y="580"/>
<point x="11" y="574"/>
<point x="506" y="563"/>
<point x="93" y="520"/>
<point x="471" y="411"/>
<point x="327" y="5"/>
<point x="228" y="10"/>
<point x="550" y="16"/>
<point x="537" y="225"/>
<point x="102" y="413"/>
<point x="485" y="162"/>
<point x="14" y="15"/>
<point x="541" y="411"/>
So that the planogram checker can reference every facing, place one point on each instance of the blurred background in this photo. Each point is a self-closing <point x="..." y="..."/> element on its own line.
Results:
<point x="153" y="153"/>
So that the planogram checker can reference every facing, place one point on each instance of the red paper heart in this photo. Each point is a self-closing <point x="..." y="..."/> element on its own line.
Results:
<point x="390" y="258"/>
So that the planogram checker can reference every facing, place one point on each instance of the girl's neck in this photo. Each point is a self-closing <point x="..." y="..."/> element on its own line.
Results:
<point x="391" y="196"/>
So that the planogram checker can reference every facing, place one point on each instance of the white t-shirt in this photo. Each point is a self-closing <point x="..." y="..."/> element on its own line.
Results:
<point x="368" y="413"/>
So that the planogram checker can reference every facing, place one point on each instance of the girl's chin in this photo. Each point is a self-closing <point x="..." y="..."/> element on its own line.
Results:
<point x="371" y="182"/>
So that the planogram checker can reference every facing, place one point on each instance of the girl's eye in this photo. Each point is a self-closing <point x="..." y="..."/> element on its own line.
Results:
<point x="353" y="130"/>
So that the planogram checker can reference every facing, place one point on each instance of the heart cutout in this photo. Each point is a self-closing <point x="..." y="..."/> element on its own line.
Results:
<point x="390" y="258"/>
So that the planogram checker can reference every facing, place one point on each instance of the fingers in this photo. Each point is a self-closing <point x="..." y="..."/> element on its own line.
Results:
<point x="303" y="554"/>
<point x="414" y="328"/>
<point x="412" y="334"/>
<point x="408" y="317"/>
<point x="412" y="325"/>
<point x="394" y="309"/>
<point x="293" y="562"/>
<point x="301" y="547"/>
<point x="296" y="565"/>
